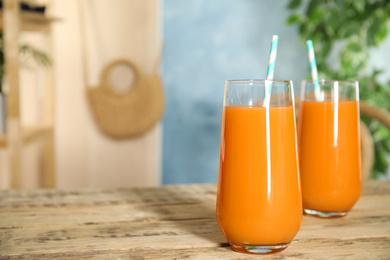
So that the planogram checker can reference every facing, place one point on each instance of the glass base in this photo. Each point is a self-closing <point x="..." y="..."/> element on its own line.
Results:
<point x="258" y="249"/>
<point x="322" y="214"/>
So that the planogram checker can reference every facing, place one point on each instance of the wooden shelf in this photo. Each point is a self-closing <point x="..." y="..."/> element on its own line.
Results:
<point x="32" y="21"/>
<point x="12" y="22"/>
<point x="3" y="141"/>
<point x="29" y="133"/>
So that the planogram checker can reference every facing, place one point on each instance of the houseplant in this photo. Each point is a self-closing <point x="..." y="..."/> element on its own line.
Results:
<point x="344" y="33"/>
<point x="27" y="52"/>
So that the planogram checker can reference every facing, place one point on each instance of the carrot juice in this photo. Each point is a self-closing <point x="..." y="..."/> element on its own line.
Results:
<point x="329" y="151"/>
<point x="258" y="204"/>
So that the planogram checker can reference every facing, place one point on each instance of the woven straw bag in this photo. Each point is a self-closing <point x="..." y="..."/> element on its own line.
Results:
<point x="131" y="113"/>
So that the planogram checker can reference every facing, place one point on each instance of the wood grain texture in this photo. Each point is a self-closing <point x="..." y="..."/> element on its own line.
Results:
<point x="11" y="59"/>
<point x="171" y="222"/>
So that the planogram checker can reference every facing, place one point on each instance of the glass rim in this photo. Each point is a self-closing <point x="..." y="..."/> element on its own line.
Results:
<point x="237" y="81"/>
<point x="331" y="81"/>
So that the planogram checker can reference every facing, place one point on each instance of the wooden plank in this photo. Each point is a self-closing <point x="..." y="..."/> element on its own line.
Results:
<point x="88" y="222"/>
<point x="48" y="178"/>
<point x="162" y="235"/>
<point x="3" y="141"/>
<point x="48" y="108"/>
<point x="118" y="235"/>
<point x="377" y="187"/>
<point x="32" y="21"/>
<point x="151" y="195"/>
<point x="20" y="216"/>
<point x="154" y="195"/>
<point x="188" y="194"/>
<point x="361" y="248"/>
<point x="31" y="133"/>
<point x="11" y="53"/>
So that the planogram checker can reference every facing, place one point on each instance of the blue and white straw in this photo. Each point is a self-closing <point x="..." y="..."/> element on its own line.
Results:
<point x="313" y="70"/>
<point x="267" y="99"/>
<point x="270" y="70"/>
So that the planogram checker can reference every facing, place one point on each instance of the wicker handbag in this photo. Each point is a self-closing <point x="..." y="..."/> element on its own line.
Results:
<point x="128" y="114"/>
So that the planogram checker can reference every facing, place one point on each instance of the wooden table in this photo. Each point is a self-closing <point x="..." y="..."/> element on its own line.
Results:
<point x="171" y="222"/>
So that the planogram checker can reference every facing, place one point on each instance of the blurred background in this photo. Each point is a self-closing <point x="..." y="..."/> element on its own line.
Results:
<point x="197" y="45"/>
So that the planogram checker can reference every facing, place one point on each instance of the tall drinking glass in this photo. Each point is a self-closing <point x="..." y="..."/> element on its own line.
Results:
<point x="259" y="204"/>
<point x="329" y="147"/>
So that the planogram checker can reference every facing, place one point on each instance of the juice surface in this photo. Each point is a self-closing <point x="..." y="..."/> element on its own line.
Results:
<point x="255" y="206"/>
<point x="329" y="153"/>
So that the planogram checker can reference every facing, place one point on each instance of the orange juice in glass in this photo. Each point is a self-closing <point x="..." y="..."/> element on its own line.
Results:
<point x="259" y="204"/>
<point x="329" y="147"/>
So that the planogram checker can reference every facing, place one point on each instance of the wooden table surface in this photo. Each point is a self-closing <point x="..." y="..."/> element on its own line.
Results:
<point x="171" y="222"/>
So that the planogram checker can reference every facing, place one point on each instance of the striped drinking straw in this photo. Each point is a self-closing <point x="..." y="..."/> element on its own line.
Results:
<point x="313" y="70"/>
<point x="267" y="99"/>
<point x="270" y="70"/>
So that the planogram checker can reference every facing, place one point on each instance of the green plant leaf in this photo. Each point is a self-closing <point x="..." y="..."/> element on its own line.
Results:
<point x="313" y="4"/>
<point x="316" y="15"/>
<point x="382" y="32"/>
<point x="294" y="4"/>
<point x="386" y="145"/>
<point x="294" y="18"/>
<point x="381" y="133"/>
<point x="303" y="30"/>
<point x="39" y="56"/>
<point x="331" y="25"/>
<point x="377" y="32"/>
<point x="380" y="158"/>
<point x="359" y="5"/>
<point x="349" y="29"/>
<point x="354" y="47"/>
<point x="26" y="51"/>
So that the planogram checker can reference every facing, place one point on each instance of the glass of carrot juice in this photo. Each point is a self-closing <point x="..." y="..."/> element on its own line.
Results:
<point x="259" y="204"/>
<point x="329" y="147"/>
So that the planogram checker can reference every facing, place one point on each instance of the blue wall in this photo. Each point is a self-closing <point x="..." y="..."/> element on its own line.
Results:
<point x="206" y="43"/>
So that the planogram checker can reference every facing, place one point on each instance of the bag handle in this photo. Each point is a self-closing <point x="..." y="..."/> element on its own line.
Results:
<point x="105" y="77"/>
